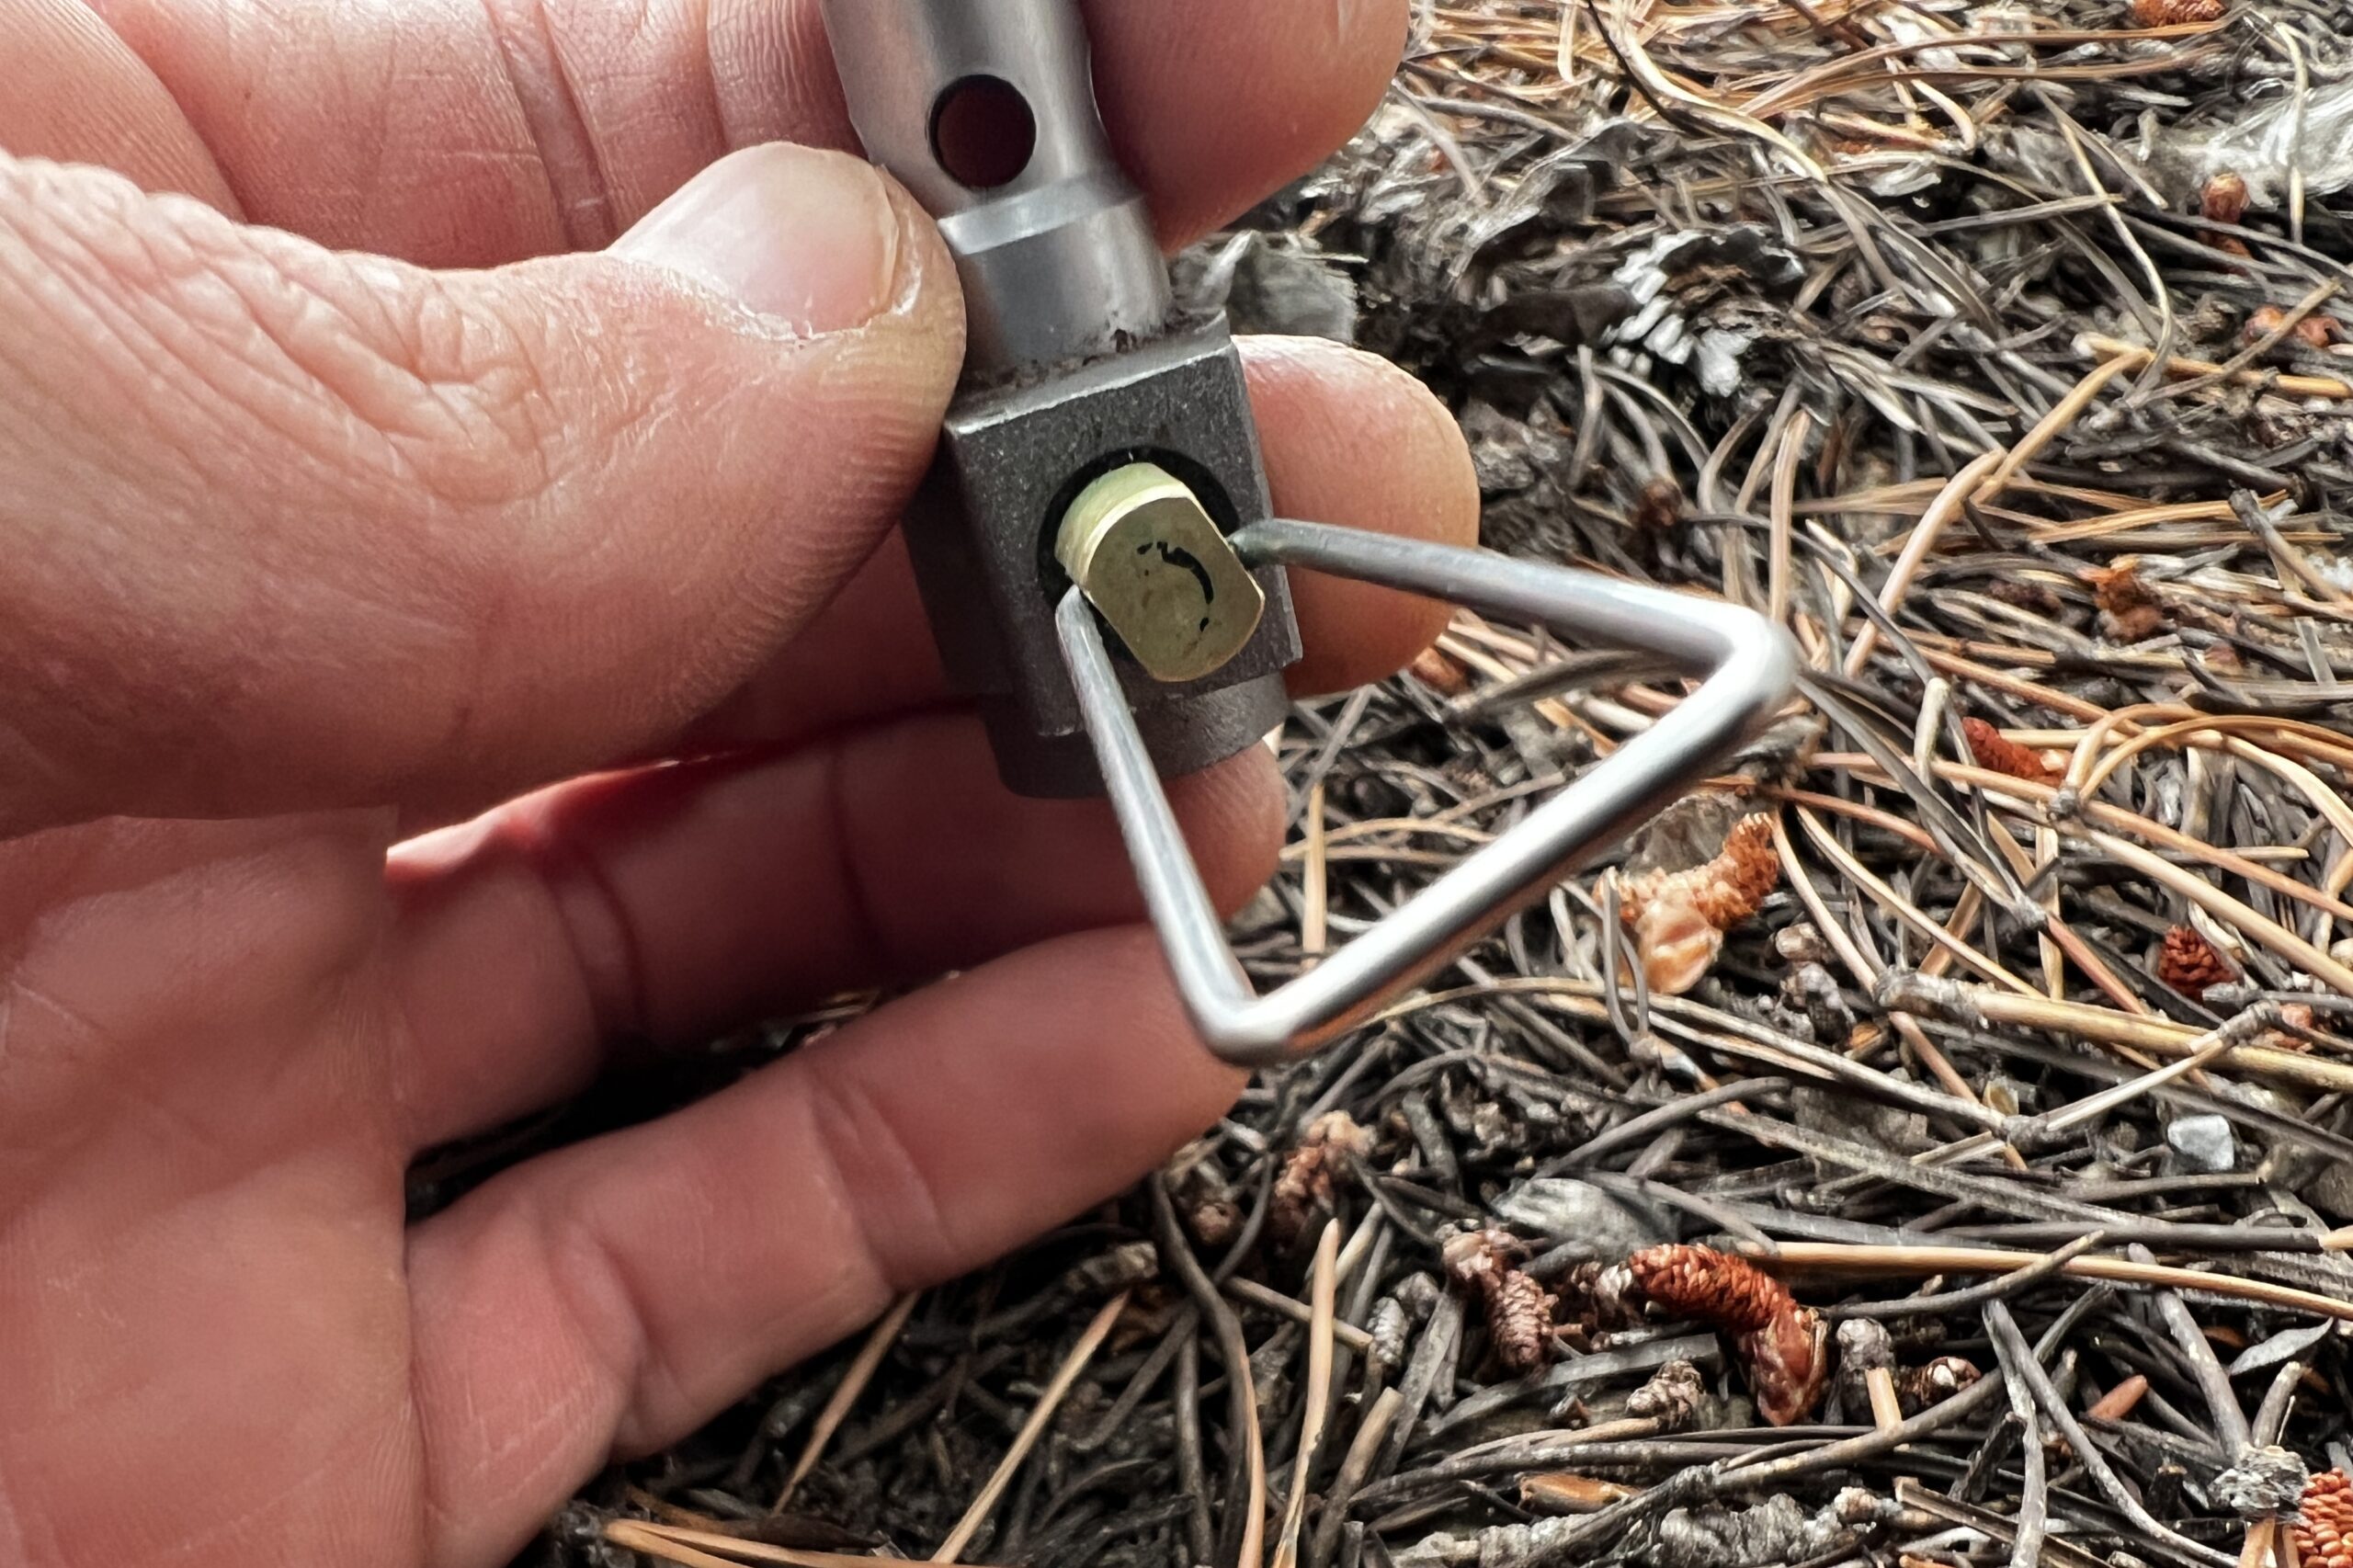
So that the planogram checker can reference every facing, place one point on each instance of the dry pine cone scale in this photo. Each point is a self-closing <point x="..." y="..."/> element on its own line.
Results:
<point x="1996" y="753"/>
<point x="2323" y="1529"/>
<point x="1680" y="918"/>
<point x="2190" y="964"/>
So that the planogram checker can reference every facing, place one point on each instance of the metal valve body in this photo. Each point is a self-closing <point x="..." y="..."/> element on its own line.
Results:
<point x="1077" y="369"/>
<point x="1095" y="547"/>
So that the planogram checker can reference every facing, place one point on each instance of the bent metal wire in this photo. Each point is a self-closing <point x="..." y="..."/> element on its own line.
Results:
<point x="1091" y="412"/>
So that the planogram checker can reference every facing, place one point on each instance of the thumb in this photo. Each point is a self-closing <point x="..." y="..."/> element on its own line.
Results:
<point x="291" y="529"/>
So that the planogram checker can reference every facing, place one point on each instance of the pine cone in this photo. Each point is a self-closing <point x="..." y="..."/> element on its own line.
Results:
<point x="1781" y="1342"/>
<point x="1707" y="1286"/>
<point x="1671" y="1396"/>
<point x="1998" y="753"/>
<point x="1680" y="918"/>
<point x="2224" y="198"/>
<point x="1519" y="1321"/>
<point x="2190" y="964"/>
<point x="1600" y="1296"/>
<point x="1677" y="947"/>
<point x="2324" y="1534"/>
<point x="2314" y="331"/>
<point x="2173" y="13"/>
<point x="2130" y="610"/>
<point x="1304" y="1187"/>
<point x="1933" y="1382"/>
<point x="1786" y="1364"/>
<point x="1724" y="891"/>
<point x="1519" y="1309"/>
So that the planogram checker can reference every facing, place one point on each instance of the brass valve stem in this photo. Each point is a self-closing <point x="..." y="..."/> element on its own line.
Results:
<point x="1148" y="555"/>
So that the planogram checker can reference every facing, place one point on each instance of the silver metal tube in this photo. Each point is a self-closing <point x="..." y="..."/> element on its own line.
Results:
<point x="1059" y="263"/>
<point x="1751" y="668"/>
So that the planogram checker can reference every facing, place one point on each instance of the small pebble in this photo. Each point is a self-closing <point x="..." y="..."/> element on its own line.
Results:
<point x="2203" y="1143"/>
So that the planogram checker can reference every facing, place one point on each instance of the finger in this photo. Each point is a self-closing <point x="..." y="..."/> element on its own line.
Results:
<point x="616" y="1295"/>
<point x="668" y="905"/>
<point x="677" y="902"/>
<point x="77" y="94"/>
<point x="1349" y="438"/>
<point x="470" y="132"/>
<point x="295" y="529"/>
<point x="1363" y="444"/>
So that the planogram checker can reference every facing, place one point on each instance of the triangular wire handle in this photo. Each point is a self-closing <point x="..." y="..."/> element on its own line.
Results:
<point x="1750" y="666"/>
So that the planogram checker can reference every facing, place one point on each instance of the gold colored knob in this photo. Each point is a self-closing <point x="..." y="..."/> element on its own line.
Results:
<point x="1148" y="555"/>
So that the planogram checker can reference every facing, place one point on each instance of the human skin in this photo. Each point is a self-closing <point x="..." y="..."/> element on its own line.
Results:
<point x="418" y="419"/>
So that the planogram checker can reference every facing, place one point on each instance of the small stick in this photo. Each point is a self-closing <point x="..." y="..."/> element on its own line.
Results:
<point x="1740" y="1476"/>
<point x="2019" y="1360"/>
<point x="2100" y="1026"/>
<point x="2285" y="557"/>
<point x="1323" y="1291"/>
<point x="682" y="1546"/>
<point x="2213" y="1384"/>
<point x="1363" y="1452"/>
<point x="2132" y="356"/>
<point x="1251" y="1293"/>
<point x="2319" y="296"/>
<point x="1965" y="487"/>
<point x="1315" y="931"/>
<point x="1785" y="481"/>
<point x="1032" y="1429"/>
<point x="2235" y="1031"/>
<point x="1887" y="1411"/>
<point x="1996" y="1289"/>
<point x="2033" y="1516"/>
<point x="1843" y="1257"/>
<point x="861" y="1372"/>
<point x="633" y="1536"/>
<point x="1936" y="1505"/>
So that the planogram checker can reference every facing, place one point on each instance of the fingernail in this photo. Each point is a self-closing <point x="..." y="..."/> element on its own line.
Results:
<point x="804" y="237"/>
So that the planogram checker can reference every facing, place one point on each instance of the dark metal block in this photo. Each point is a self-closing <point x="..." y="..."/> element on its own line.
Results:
<point x="1012" y="458"/>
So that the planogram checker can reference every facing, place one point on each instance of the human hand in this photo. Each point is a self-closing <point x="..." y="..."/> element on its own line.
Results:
<point x="310" y="551"/>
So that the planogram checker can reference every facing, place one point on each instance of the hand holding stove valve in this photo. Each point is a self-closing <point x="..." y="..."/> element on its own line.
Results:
<point x="584" y="543"/>
<point x="1096" y="548"/>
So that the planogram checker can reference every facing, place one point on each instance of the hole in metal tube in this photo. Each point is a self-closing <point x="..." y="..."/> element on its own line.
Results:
<point x="983" y="132"/>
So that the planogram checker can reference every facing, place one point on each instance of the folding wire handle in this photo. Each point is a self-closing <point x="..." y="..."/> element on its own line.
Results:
<point x="1750" y="666"/>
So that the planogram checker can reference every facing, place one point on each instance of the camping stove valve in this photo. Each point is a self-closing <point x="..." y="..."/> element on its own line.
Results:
<point x="1095" y="542"/>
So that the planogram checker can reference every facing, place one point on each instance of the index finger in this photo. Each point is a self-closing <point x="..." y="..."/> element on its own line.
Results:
<point x="474" y="132"/>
